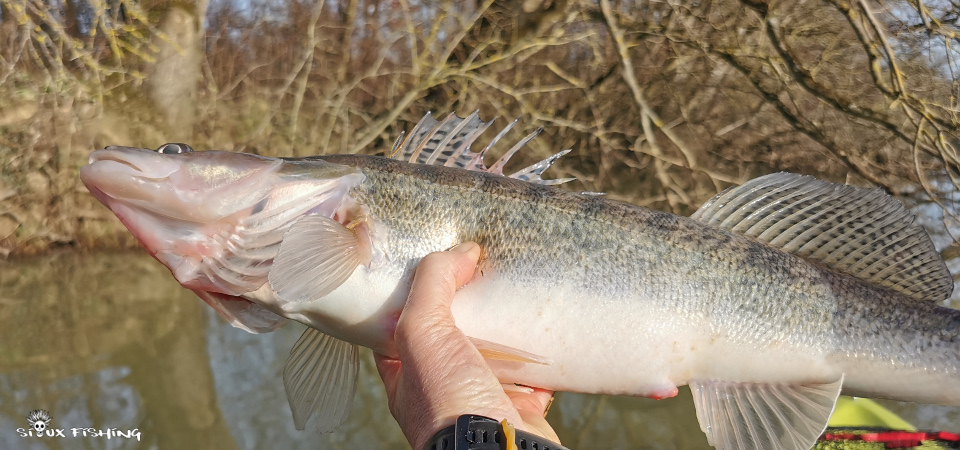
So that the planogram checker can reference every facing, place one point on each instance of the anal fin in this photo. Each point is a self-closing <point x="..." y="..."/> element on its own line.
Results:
<point x="492" y="350"/>
<point x="763" y="415"/>
<point x="320" y="378"/>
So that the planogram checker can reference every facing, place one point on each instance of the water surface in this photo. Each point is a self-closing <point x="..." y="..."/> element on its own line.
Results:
<point x="111" y="341"/>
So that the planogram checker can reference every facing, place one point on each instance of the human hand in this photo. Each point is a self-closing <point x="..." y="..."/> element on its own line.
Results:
<point x="440" y="374"/>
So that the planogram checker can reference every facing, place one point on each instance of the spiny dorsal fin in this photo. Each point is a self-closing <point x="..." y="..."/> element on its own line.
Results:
<point x="862" y="232"/>
<point x="447" y="143"/>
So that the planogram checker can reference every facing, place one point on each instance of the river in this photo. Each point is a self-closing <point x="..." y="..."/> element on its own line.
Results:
<point x="111" y="342"/>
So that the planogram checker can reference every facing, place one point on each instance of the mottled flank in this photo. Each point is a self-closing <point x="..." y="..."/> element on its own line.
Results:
<point x="752" y="293"/>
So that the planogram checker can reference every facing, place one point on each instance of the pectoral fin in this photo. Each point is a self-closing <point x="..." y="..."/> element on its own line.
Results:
<point x="492" y="350"/>
<point x="762" y="415"/>
<point x="316" y="256"/>
<point x="320" y="378"/>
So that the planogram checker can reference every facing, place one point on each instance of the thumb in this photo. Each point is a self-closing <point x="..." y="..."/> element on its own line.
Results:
<point x="437" y="279"/>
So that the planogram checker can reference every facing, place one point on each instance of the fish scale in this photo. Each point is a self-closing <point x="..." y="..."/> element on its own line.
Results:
<point x="633" y="254"/>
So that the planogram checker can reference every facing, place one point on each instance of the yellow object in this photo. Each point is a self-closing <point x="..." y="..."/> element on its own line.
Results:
<point x="509" y="434"/>
<point x="863" y="412"/>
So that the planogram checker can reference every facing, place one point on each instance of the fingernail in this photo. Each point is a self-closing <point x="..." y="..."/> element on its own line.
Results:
<point x="465" y="247"/>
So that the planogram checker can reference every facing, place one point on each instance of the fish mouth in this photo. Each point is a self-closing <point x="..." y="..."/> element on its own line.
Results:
<point x="125" y="180"/>
<point x="115" y="173"/>
<point x="107" y="155"/>
<point x="128" y="161"/>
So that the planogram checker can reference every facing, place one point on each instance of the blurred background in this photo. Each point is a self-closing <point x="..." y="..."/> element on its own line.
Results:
<point x="664" y="103"/>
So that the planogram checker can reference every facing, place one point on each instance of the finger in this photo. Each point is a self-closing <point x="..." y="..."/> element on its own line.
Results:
<point x="510" y="387"/>
<point x="436" y="281"/>
<point x="532" y="407"/>
<point x="389" y="370"/>
<point x="533" y="403"/>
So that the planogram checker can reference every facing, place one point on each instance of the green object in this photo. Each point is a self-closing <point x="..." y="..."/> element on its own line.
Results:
<point x="861" y="445"/>
<point x="863" y="412"/>
<point x="860" y="415"/>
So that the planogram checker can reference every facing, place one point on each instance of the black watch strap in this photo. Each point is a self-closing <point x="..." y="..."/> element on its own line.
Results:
<point x="472" y="432"/>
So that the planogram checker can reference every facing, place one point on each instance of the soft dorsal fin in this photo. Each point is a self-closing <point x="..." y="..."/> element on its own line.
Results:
<point x="447" y="143"/>
<point x="862" y="232"/>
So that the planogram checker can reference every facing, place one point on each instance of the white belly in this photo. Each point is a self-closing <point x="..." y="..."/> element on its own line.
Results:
<point x="595" y="345"/>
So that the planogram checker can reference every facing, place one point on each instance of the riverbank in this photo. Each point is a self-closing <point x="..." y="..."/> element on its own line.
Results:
<point x="663" y="113"/>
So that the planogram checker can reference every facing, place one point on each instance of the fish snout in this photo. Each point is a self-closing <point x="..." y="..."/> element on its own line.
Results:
<point x="138" y="161"/>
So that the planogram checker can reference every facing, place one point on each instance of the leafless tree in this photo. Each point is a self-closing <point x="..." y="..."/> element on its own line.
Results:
<point x="665" y="103"/>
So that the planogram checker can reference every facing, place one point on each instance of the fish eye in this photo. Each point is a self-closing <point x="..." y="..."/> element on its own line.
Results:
<point x="172" y="148"/>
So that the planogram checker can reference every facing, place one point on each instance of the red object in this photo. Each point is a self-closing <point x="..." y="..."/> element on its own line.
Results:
<point x="895" y="439"/>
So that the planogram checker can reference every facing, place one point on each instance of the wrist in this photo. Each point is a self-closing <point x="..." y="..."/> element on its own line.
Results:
<point x="473" y="432"/>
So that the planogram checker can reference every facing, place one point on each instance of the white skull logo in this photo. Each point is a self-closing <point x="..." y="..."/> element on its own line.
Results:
<point x="39" y="420"/>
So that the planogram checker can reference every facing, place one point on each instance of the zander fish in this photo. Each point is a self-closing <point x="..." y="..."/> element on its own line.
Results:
<point x="772" y="298"/>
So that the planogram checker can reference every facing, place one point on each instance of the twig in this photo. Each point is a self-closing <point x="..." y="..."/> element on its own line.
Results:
<point x="630" y="78"/>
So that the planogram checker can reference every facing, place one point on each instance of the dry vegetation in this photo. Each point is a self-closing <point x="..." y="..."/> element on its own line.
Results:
<point x="663" y="102"/>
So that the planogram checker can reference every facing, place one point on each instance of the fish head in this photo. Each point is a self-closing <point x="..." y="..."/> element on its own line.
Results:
<point x="215" y="219"/>
<point x="188" y="186"/>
